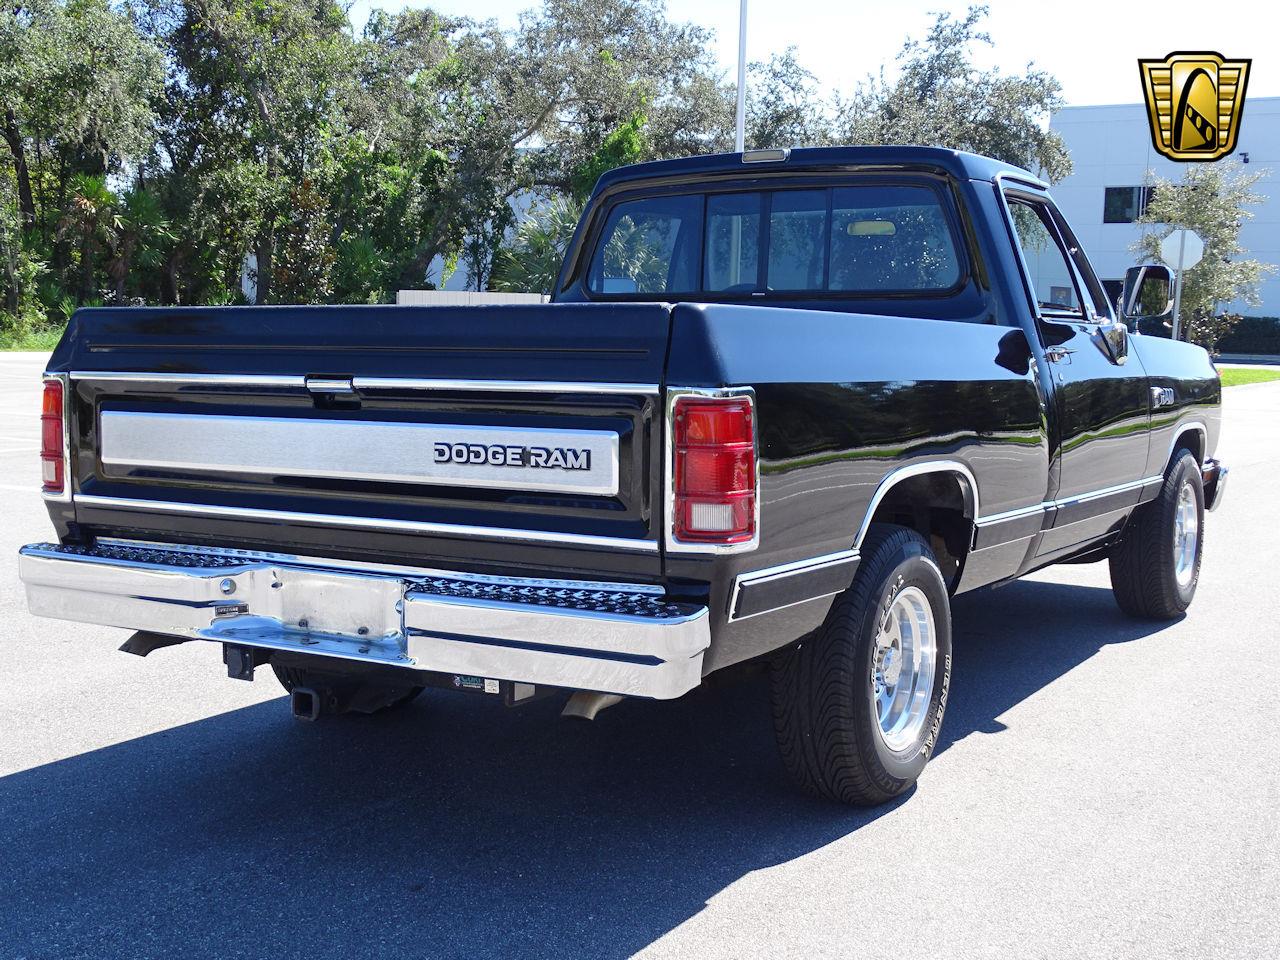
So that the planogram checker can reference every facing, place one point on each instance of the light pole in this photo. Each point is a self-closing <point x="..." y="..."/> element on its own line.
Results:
<point x="740" y="135"/>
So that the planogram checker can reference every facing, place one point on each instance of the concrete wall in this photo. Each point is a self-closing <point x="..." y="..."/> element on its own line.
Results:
<point x="462" y="298"/>
<point x="1111" y="147"/>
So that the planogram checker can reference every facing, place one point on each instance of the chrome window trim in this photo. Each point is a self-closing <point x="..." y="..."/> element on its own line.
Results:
<point x="673" y="544"/>
<point x="782" y="571"/>
<point x="894" y="477"/>
<point x="1087" y="315"/>
<point x="1022" y="177"/>
<point x="65" y="495"/>
<point x="371" y="523"/>
<point x="372" y="383"/>
<point x="393" y="569"/>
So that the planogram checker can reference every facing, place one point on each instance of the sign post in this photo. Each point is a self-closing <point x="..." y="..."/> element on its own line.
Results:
<point x="1182" y="250"/>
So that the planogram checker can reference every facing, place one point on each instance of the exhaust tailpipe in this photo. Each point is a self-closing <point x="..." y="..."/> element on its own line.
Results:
<point x="585" y="704"/>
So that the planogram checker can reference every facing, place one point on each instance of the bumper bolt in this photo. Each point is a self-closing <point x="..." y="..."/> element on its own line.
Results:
<point x="227" y="586"/>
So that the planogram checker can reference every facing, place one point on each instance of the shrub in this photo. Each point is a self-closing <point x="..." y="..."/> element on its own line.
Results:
<point x="1252" y="335"/>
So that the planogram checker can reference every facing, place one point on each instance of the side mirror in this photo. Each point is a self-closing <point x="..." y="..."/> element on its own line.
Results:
<point x="1147" y="301"/>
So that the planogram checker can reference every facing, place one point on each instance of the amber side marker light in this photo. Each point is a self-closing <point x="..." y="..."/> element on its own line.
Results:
<point x="715" y="470"/>
<point x="53" y="464"/>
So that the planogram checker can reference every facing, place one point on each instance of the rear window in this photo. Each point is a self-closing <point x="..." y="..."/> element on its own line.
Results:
<point x="867" y="239"/>
<point x="649" y="246"/>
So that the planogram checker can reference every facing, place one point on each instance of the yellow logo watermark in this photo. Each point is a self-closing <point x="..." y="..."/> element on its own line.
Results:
<point x="1194" y="101"/>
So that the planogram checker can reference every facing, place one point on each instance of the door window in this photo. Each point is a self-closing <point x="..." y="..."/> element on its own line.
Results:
<point x="1052" y="281"/>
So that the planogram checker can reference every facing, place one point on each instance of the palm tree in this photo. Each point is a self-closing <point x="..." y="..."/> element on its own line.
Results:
<point x="532" y="262"/>
<point x="91" y="223"/>
<point x="143" y="232"/>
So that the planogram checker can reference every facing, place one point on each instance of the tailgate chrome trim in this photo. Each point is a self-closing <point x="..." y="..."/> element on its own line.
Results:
<point x="507" y="386"/>
<point x="210" y="379"/>
<point x="608" y="640"/>
<point x="369" y="523"/>
<point x="371" y="383"/>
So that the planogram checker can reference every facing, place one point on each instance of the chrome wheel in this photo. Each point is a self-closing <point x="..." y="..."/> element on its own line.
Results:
<point x="902" y="668"/>
<point x="1186" y="535"/>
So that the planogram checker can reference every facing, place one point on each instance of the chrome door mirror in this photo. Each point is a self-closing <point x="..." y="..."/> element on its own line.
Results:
<point x="1147" y="301"/>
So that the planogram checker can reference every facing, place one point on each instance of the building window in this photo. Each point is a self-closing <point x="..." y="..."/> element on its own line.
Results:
<point x="1125" y="204"/>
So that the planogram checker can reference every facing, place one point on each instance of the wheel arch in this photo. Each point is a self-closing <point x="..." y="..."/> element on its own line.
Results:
<point x="938" y="499"/>
<point x="1192" y="435"/>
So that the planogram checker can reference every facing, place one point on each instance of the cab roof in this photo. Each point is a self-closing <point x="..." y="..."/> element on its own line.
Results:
<point x="964" y="166"/>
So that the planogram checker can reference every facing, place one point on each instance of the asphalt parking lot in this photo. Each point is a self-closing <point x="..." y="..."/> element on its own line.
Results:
<point x="1104" y="788"/>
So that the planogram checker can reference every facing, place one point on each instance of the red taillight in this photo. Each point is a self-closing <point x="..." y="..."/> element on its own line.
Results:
<point x="715" y="470"/>
<point x="53" y="464"/>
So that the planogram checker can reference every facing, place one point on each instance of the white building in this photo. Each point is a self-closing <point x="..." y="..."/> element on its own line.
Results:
<point x="1111" y="150"/>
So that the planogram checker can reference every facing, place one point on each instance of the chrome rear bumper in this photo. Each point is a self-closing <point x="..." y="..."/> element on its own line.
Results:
<point x="1214" y="475"/>
<point x="613" y="638"/>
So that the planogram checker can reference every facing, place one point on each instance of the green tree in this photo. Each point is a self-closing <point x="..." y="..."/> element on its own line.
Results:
<point x="1214" y="200"/>
<point x="142" y="236"/>
<point x="625" y="145"/>
<point x="90" y="225"/>
<point x="784" y="108"/>
<point x="532" y="261"/>
<point x="77" y="85"/>
<point x="940" y="97"/>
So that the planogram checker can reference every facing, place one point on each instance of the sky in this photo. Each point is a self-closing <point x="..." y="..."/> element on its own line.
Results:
<point x="1092" y="47"/>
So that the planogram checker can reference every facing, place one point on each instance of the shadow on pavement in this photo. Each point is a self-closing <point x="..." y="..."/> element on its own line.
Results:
<point x="458" y="827"/>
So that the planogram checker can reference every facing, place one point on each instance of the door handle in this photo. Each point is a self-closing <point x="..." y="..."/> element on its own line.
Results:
<point x="1058" y="354"/>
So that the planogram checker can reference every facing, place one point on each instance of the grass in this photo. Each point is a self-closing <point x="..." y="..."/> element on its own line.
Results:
<point x="1235" y="376"/>
<point x="43" y="339"/>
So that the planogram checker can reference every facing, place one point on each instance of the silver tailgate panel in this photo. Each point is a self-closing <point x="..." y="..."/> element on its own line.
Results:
<point x="559" y="461"/>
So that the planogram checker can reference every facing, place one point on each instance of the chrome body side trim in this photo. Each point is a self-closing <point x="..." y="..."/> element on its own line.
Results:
<point x="1016" y="514"/>
<point x="605" y="640"/>
<point x="969" y="486"/>
<point x="786" y="571"/>
<point x="371" y="523"/>
<point x="388" y="451"/>
<point x="1104" y="492"/>
<point x="1046" y="506"/>
<point x="64" y="496"/>
<point x="674" y="545"/>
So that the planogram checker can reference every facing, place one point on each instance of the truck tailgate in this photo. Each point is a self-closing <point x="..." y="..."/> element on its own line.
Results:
<point x="487" y="437"/>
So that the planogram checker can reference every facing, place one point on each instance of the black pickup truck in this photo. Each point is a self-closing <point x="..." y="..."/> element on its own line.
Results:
<point x="782" y="406"/>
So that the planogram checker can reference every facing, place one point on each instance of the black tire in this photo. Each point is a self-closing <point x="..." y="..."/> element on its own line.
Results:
<point x="339" y="695"/>
<point x="824" y="707"/>
<point x="1144" y="574"/>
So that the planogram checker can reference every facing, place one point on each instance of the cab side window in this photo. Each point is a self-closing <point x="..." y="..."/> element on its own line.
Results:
<point x="1051" y="276"/>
